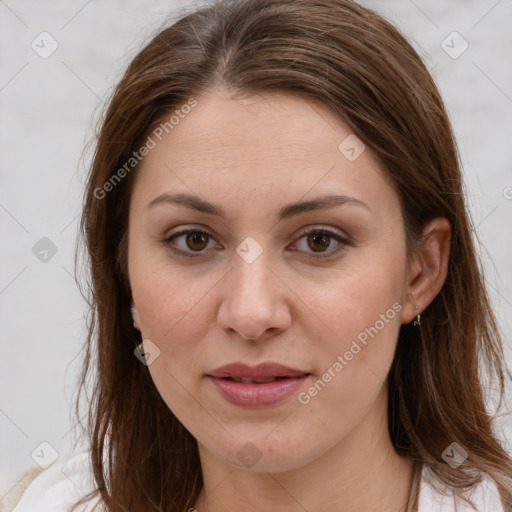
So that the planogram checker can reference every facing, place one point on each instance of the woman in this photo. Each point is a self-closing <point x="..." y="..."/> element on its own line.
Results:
<point x="287" y="308"/>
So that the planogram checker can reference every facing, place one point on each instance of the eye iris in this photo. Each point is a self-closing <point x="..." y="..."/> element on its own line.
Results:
<point x="319" y="238"/>
<point x="193" y="238"/>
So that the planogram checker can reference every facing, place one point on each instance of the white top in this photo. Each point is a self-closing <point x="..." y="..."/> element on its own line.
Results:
<point x="60" y="485"/>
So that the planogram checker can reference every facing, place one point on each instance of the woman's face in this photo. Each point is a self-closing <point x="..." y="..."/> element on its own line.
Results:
<point x="317" y="288"/>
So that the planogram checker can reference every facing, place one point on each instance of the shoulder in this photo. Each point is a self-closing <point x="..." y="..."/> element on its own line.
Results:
<point x="56" y="488"/>
<point x="437" y="497"/>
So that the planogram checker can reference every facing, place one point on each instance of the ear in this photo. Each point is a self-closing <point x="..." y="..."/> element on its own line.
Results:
<point x="428" y="268"/>
<point x="135" y="316"/>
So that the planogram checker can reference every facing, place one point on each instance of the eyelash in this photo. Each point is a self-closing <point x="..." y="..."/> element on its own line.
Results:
<point x="344" y="242"/>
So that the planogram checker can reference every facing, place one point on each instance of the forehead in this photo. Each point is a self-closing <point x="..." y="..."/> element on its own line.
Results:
<point x="265" y="145"/>
<point x="274" y="124"/>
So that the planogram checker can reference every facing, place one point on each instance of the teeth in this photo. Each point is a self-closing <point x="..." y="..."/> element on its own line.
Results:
<point x="258" y="381"/>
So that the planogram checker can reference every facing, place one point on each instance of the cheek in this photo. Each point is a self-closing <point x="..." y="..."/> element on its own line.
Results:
<point x="352" y="364"/>
<point x="167" y="296"/>
<point x="176" y="322"/>
<point x="359" y="298"/>
<point x="363" y="313"/>
<point x="169" y="307"/>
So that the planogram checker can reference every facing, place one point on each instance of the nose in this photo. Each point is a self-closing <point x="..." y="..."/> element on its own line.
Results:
<point x="255" y="300"/>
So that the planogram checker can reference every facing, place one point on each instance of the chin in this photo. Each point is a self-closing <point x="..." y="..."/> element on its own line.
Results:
<point x="262" y="455"/>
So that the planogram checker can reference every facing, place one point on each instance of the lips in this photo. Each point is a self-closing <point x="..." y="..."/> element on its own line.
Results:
<point x="263" y="371"/>
<point x="260" y="386"/>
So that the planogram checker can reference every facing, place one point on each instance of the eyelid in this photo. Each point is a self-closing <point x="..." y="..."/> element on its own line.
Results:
<point x="341" y="237"/>
<point x="168" y="238"/>
<point x="335" y="233"/>
<point x="314" y="228"/>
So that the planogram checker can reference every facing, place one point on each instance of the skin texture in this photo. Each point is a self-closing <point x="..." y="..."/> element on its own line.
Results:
<point x="252" y="157"/>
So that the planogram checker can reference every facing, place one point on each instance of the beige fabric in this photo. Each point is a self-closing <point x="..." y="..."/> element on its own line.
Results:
<point x="15" y="493"/>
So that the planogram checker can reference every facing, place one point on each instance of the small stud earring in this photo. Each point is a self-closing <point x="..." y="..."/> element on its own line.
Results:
<point x="135" y="318"/>
<point x="418" y="317"/>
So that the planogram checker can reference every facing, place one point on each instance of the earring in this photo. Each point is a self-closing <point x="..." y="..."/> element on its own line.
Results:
<point x="418" y="318"/>
<point x="135" y="317"/>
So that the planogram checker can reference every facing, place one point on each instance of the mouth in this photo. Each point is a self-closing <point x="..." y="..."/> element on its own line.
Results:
<point x="261" y="373"/>
<point x="260" y="386"/>
<point x="248" y="380"/>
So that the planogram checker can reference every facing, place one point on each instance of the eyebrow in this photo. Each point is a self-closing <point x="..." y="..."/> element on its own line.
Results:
<point x="201" y="205"/>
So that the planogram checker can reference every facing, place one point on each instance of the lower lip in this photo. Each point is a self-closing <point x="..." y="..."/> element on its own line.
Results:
<point x="253" y="395"/>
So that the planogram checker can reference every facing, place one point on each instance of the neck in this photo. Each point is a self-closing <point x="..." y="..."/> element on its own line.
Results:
<point x="361" y="472"/>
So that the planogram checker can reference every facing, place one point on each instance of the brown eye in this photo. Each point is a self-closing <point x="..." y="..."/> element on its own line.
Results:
<point x="194" y="243"/>
<point x="325" y="243"/>
<point x="319" y="241"/>
<point x="188" y="242"/>
<point x="197" y="240"/>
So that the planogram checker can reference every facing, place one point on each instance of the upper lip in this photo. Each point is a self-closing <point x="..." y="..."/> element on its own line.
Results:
<point x="261" y="371"/>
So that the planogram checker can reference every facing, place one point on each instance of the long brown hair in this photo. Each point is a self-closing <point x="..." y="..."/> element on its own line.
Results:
<point x="356" y="63"/>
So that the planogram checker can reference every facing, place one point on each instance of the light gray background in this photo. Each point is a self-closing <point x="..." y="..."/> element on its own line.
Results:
<point x="47" y="111"/>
